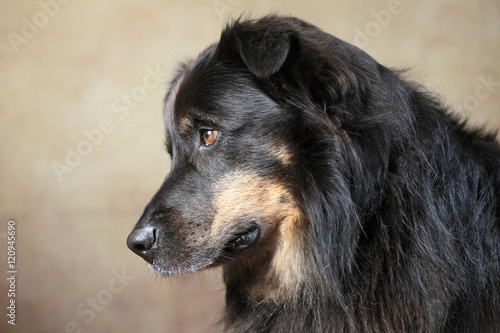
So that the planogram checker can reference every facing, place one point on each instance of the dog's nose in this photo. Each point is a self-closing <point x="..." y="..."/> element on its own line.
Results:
<point x="141" y="242"/>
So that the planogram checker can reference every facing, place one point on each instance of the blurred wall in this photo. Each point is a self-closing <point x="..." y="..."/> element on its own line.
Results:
<point x="81" y="134"/>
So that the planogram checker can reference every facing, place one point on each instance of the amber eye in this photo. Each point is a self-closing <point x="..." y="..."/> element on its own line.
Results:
<point x="208" y="137"/>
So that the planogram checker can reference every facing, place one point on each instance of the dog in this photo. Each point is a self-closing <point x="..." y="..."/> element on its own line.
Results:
<point x="337" y="195"/>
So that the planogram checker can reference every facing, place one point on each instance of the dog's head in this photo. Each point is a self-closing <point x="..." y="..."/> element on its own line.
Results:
<point x="227" y="190"/>
<point x="257" y="127"/>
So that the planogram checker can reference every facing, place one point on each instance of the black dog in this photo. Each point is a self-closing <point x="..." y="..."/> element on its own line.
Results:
<point x="338" y="196"/>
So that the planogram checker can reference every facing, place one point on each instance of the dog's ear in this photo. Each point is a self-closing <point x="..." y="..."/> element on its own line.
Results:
<point x="263" y="51"/>
<point x="305" y="61"/>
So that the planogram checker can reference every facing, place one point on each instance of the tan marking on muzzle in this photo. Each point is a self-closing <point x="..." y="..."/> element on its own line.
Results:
<point x="242" y="196"/>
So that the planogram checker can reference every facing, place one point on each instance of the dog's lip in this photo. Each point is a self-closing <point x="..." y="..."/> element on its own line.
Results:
<point x="236" y="246"/>
<point x="243" y="239"/>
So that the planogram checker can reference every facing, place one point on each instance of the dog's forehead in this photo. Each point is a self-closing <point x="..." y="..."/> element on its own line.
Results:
<point x="210" y="90"/>
<point x="186" y="89"/>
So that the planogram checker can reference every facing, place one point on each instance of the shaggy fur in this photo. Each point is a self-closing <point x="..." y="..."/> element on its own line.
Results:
<point x="339" y="196"/>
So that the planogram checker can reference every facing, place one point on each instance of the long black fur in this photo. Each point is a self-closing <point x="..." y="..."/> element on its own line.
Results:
<point x="402" y="199"/>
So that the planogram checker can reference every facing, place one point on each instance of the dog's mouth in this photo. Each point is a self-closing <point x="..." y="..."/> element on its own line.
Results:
<point x="239" y="245"/>
<point x="243" y="240"/>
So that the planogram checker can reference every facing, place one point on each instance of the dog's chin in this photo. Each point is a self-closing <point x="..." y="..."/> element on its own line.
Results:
<point x="168" y="270"/>
<point x="240" y="245"/>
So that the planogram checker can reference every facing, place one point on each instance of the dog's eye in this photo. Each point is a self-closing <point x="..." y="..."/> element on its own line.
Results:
<point x="208" y="137"/>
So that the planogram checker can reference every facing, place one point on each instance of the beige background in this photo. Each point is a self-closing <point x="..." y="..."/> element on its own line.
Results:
<point x="66" y="68"/>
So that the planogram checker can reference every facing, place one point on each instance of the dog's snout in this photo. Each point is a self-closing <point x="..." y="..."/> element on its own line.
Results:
<point x="141" y="242"/>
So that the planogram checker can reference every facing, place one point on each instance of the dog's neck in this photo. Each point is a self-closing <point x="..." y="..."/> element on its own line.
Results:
<point x="258" y="301"/>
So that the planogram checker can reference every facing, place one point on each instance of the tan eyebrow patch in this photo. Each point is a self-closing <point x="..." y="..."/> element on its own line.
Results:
<point x="185" y="124"/>
<point x="242" y="196"/>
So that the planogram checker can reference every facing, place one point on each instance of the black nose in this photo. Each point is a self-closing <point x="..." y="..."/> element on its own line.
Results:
<point x="141" y="242"/>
